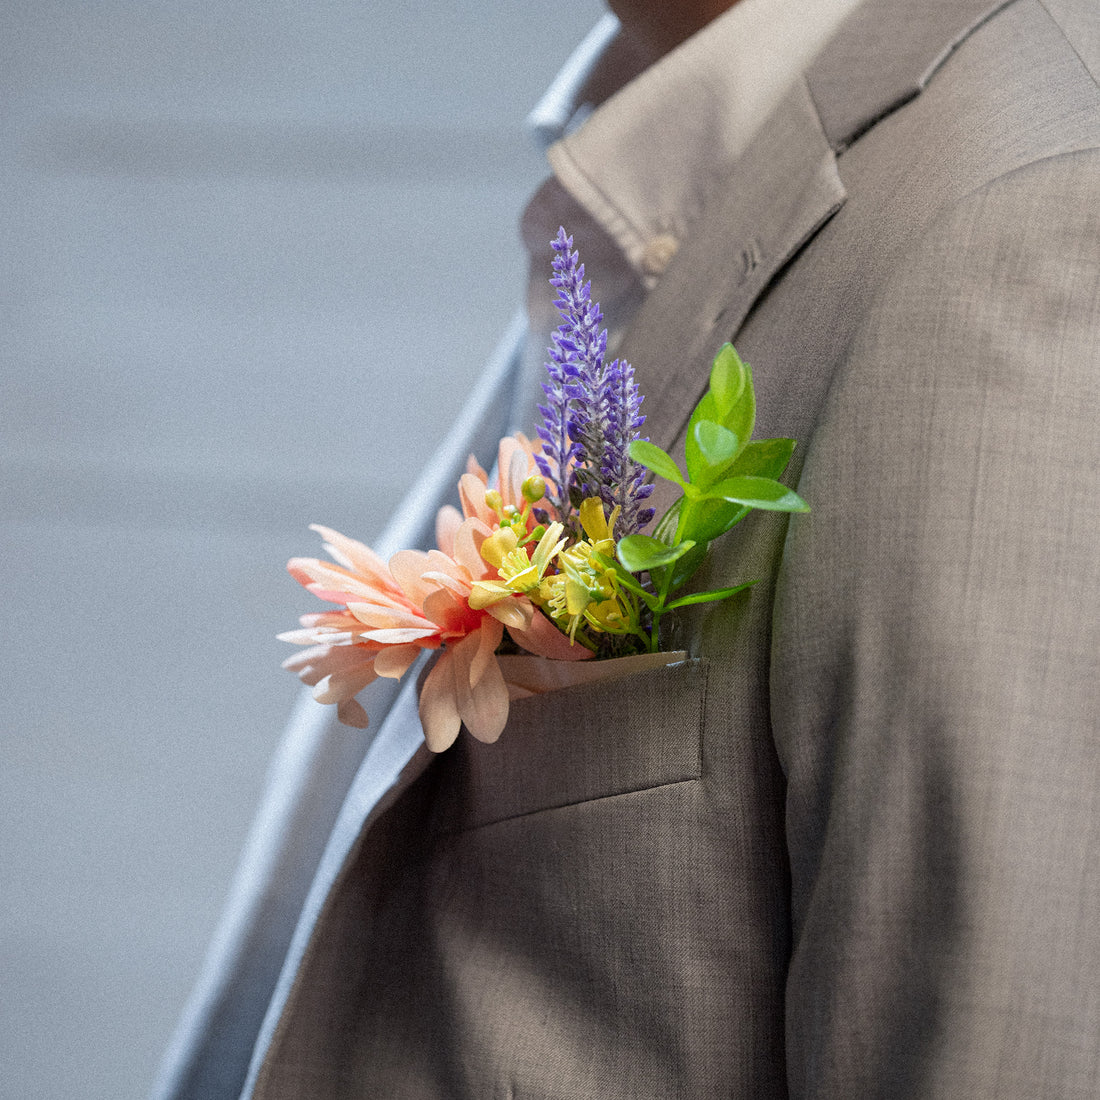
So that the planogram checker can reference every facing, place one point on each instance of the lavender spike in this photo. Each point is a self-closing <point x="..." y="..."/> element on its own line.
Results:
<point x="592" y="412"/>
<point x="622" y="481"/>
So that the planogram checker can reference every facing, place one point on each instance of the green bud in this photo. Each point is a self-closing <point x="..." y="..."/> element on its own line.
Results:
<point x="534" y="489"/>
<point x="494" y="500"/>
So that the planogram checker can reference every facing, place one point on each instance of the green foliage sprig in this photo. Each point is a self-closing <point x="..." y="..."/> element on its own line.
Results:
<point x="728" y="475"/>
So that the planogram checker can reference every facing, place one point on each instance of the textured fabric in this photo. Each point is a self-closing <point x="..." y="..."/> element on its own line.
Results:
<point x="944" y="835"/>
<point x="889" y="831"/>
<point x="523" y="875"/>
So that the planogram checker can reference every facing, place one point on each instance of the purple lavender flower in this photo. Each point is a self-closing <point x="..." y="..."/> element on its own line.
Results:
<point x="623" y="483"/>
<point x="592" y="412"/>
<point x="576" y="340"/>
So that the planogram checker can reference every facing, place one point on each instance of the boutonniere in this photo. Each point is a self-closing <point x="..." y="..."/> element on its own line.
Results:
<point x="548" y="556"/>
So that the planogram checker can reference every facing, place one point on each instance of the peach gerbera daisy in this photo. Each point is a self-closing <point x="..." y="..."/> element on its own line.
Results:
<point x="421" y="600"/>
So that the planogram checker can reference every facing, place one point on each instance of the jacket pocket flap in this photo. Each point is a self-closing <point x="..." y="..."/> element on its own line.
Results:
<point x="577" y="744"/>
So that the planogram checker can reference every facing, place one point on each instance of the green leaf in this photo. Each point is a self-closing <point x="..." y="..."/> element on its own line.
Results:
<point x="729" y="402"/>
<point x="758" y="492"/>
<point x="708" y="519"/>
<point x="639" y="553"/>
<point x="727" y="379"/>
<point x="741" y="419"/>
<point x="717" y="445"/>
<point x="653" y="458"/>
<point x="707" y="409"/>
<point x="665" y="530"/>
<point x="764" y="458"/>
<point x="734" y="397"/>
<point x="708" y="597"/>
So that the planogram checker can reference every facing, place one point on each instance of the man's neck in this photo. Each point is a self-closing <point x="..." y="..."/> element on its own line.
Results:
<point x="656" y="26"/>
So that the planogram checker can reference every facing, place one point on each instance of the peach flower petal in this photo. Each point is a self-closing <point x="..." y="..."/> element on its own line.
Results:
<point x="438" y="707"/>
<point x="440" y="563"/>
<point x="471" y="495"/>
<point x="488" y="636"/>
<point x="544" y="639"/>
<point x="402" y="635"/>
<point x="379" y="617"/>
<point x="351" y="713"/>
<point x="340" y="620"/>
<point x="340" y="662"/>
<point x="481" y="704"/>
<point x="459" y="588"/>
<point x="447" y="522"/>
<point x="468" y="540"/>
<point x="516" y="470"/>
<point x="451" y="614"/>
<point x="334" y="688"/>
<point x="353" y="555"/>
<point x="474" y="467"/>
<point x="297" y="637"/>
<point x="408" y="568"/>
<point x="394" y="661"/>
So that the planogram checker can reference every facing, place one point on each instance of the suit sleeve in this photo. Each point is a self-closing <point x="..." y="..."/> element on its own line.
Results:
<point x="936" y="670"/>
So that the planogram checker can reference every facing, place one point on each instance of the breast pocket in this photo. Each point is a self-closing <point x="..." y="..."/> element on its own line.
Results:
<point x="578" y="744"/>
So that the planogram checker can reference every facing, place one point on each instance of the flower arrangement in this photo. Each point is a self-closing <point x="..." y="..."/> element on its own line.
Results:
<point x="548" y="556"/>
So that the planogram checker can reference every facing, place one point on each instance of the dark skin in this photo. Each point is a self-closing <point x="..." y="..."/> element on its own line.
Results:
<point x="657" y="26"/>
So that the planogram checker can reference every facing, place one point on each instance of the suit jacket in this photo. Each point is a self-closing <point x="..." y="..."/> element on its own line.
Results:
<point x="848" y="848"/>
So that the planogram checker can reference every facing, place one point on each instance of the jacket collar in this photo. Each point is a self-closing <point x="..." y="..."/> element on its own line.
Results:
<point x="649" y="158"/>
<point x="774" y="199"/>
<point x="780" y="192"/>
<point x="908" y="41"/>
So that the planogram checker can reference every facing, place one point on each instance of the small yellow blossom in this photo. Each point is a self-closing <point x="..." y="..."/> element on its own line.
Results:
<point x="584" y="590"/>
<point x="597" y="526"/>
<point x="519" y="574"/>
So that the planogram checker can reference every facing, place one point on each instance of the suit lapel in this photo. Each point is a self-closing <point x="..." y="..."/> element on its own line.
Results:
<point x="908" y="43"/>
<point x="782" y="190"/>
<point x="779" y="194"/>
<point x="395" y="760"/>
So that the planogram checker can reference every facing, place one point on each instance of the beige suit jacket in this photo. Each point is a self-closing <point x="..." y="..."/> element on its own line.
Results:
<point x="848" y="849"/>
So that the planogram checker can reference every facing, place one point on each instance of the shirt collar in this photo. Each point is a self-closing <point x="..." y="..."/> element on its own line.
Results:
<point x="645" y="161"/>
<point x="562" y="106"/>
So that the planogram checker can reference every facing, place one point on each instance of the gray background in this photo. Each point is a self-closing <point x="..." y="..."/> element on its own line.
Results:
<point x="252" y="255"/>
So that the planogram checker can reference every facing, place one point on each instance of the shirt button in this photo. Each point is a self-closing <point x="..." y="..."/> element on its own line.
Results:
<point x="658" y="252"/>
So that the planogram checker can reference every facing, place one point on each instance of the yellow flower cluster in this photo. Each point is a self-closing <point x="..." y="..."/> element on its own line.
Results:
<point x="575" y="584"/>
<point x="584" y="590"/>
